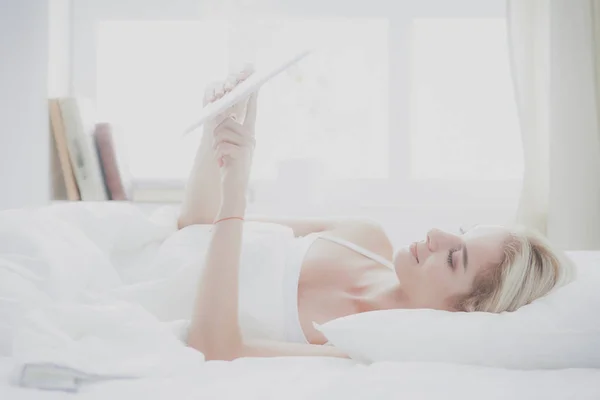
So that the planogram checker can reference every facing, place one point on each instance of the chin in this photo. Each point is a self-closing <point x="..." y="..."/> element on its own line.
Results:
<point x="403" y="259"/>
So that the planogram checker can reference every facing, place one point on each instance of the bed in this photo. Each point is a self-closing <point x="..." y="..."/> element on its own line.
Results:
<point x="321" y="378"/>
<point x="45" y="245"/>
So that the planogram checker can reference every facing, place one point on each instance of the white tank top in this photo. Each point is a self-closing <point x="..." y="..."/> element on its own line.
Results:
<point x="295" y="257"/>
<point x="166" y="285"/>
<point x="270" y="265"/>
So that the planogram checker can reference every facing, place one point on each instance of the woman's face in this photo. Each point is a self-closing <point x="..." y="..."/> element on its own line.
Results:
<point x="434" y="271"/>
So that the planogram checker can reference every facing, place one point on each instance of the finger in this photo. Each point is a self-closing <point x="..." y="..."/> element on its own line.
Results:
<point x="251" y="109"/>
<point x="235" y="79"/>
<point x="241" y="130"/>
<point x="209" y="92"/>
<point x="244" y="72"/>
<point x="230" y="83"/>
<point x="220" y="90"/>
<point x="233" y="135"/>
<point x="216" y="121"/>
<point x="246" y="145"/>
<point x="236" y="138"/>
<point x="247" y="70"/>
<point x="229" y="136"/>
<point x="230" y="123"/>
<point x="227" y="121"/>
<point x="226" y="150"/>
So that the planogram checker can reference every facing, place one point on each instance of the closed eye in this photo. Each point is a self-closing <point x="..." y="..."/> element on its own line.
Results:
<point x="450" y="260"/>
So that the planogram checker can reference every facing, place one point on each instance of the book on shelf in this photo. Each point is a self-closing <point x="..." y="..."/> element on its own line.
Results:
<point x="86" y="163"/>
<point x="115" y="180"/>
<point x="80" y="124"/>
<point x="64" y="170"/>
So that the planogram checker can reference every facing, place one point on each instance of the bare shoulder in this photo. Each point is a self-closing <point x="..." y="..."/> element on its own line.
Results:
<point x="366" y="233"/>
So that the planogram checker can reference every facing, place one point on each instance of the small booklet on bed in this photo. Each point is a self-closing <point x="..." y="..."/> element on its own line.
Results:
<point x="246" y="88"/>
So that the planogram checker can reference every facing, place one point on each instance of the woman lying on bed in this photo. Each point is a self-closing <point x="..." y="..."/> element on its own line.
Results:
<point x="345" y="266"/>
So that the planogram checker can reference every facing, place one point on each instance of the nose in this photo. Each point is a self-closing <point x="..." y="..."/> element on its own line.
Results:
<point x="438" y="239"/>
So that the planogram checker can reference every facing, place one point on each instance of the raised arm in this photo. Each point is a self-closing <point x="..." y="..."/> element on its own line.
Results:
<point x="215" y="328"/>
<point x="202" y="197"/>
<point x="303" y="226"/>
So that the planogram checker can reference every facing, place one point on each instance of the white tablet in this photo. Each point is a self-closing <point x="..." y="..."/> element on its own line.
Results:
<point x="244" y="89"/>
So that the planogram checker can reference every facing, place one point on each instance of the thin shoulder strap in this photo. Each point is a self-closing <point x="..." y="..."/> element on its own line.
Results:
<point x="361" y="250"/>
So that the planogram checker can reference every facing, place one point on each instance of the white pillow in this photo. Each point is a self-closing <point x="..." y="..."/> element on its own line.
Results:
<point x="561" y="330"/>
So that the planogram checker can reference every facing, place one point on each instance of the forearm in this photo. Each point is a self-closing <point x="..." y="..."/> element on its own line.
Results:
<point x="203" y="189"/>
<point x="215" y="328"/>
<point x="300" y="226"/>
<point x="305" y="226"/>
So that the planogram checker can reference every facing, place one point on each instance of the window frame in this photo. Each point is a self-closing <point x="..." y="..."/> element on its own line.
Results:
<point x="399" y="189"/>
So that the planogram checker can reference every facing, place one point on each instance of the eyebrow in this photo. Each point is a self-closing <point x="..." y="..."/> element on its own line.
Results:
<point x="465" y="256"/>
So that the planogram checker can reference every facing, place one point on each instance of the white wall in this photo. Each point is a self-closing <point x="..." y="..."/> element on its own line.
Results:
<point x="59" y="53"/>
<point x="59" y="77"/>
<point x="24" y="137"/>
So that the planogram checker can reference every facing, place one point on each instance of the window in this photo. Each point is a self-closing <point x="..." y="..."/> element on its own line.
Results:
<point x="402" y="103"/>
<point x="150" y="80"/>
<point x="329" y="112"/>
<point x="464" y="118"/>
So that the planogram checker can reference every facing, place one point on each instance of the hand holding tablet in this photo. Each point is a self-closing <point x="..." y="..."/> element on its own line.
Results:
<point x="242" y="90"/>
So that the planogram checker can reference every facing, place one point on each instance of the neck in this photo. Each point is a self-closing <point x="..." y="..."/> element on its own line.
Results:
<point x="386" y="295"/>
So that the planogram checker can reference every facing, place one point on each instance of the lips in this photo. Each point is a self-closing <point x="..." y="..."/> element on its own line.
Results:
<point x="413" y="250"/>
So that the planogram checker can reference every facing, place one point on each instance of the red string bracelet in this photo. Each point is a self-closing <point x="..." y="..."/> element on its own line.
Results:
<point x="225" y="219"/>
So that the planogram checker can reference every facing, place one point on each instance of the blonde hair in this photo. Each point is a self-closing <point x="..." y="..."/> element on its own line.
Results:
<point x="529" y="270"/>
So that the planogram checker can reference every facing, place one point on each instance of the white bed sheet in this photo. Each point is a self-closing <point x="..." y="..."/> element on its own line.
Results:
<point x="289" y="378"/>
<point x="322" y="378"/>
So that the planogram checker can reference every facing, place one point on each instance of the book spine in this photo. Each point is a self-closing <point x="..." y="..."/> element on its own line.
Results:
<point x="82" y="151"/>
<point x="62" y="151"/>
<point x="108" y="160"/>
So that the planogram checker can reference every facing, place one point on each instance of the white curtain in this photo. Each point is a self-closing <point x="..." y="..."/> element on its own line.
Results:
<point x="554" y="58"/>
<point x="529" y="45"/>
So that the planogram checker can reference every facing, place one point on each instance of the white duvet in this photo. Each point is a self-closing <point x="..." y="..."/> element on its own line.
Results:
<point x="57" y="265"/>
<point x="61" y="272"/>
